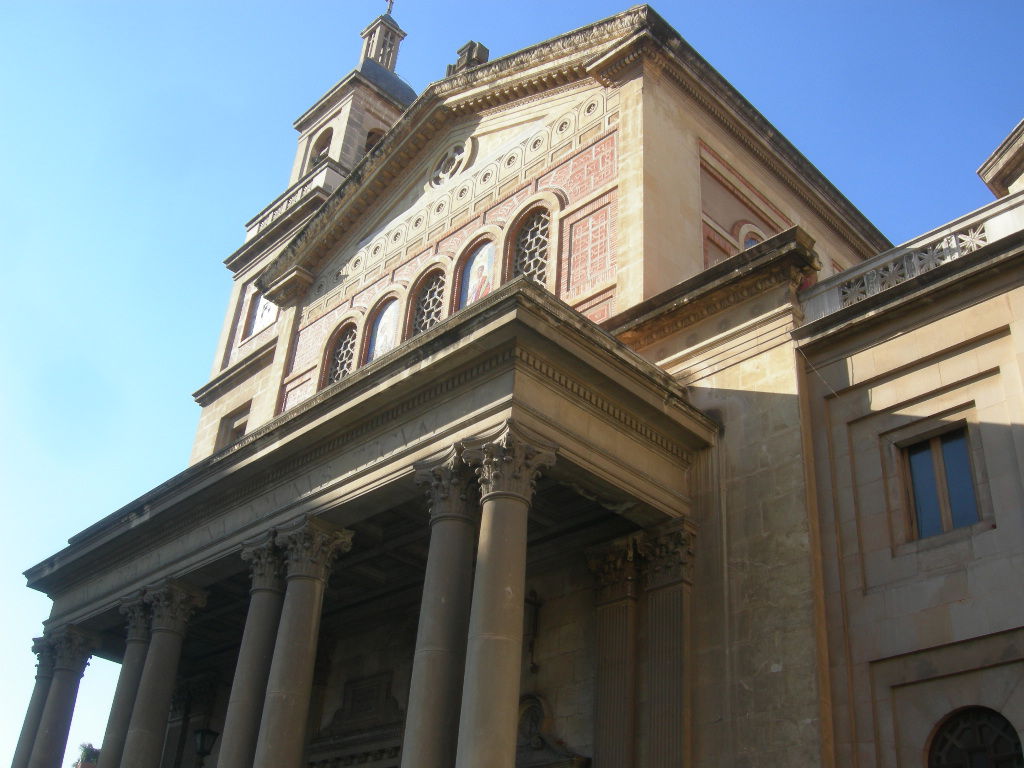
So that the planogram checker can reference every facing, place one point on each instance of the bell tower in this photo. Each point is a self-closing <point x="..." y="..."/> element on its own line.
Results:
<point x="381" y="40"/>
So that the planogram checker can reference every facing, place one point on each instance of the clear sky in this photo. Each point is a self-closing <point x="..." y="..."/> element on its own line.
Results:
<point x="137" y="138"/>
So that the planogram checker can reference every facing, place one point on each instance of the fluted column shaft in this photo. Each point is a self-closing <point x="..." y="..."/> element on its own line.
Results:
<point x="245" y="705"/>
<point x="431" y="723"/>
<point x="616" y="568"/>
<point x="136" y="645"/>
<point x="44" y="674"/>
<point x="310" y="550"/>
<point x="172" y="605"/>
<point x="668" y="561"/>
<point x="71" y="653"/>
<point x="507" y="469"/>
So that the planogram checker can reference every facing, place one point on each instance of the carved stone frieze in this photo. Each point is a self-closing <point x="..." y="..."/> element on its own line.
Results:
<point x="137" y="616"/>
<point x="616" y="567"/>
<point x="448" y="487"/>
<point x="508" y="464"/>
<point x="173" y="604"/>
<point x="71" y="649"/>
<point x="43" y="650"/>
<point x="311" y="547"/>
<point x="668" y="551"/>
<point x="266" y="563"/>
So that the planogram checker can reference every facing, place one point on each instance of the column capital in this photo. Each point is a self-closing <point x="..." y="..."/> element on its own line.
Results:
<point x="615" y="564"/>
<point x="45" y="659"/>
<point x="72" y="648"/>
<point x="448" y="485"/>
<point x="173" y="604"/>
<point x="137" y="616"/>
<point x="668" y="552"/>
<point x="311" y="546"/>
<point x="509" y="463"/>
<point x="265" y="563"/>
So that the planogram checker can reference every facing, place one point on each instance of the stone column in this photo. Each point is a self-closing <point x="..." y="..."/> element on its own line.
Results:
<point x="310" y="549"/>
<point x="431" y="723"/>
<point x="668" y="570"/>
<point x="136" y="612"/>
<point x="507" y="468"/>
<point x="173" y="604"/>
<point x="616" y="568"/>
<point x="71" y="651"/>
<point x="245" y="705"/>
<point x="44" y="674"/>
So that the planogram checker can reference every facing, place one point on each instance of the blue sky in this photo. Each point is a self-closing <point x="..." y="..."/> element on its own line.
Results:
<point x="137" y="138"/>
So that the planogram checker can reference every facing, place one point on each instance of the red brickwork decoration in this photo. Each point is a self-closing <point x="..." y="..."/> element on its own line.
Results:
<point x="586" y="171"/>
<point x="500" y="213"/>
<point x="451" y="244"/>
<point x="598" y="307"/>
<point x="588" y="259"/>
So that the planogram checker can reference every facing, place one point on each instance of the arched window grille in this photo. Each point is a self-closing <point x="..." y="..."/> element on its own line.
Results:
<point x="343" y="356"/>
<point x="531" y="249"/>
<point x="976" y="737"/>
<point x="429" y="304"/>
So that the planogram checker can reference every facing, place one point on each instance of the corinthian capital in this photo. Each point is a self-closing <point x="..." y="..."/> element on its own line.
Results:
<point x="43" y="650"/>
<point x="137" y="615"/>
<point x="447" y="486"/>
<point x="71" y="649"/>
<point x="311" y="547"/>
<point x="615" y="565"/>
<point x="265" y="563"/>
<point x="173" y="604"/>
<point x="668" y="551"/>
<point x="508" y="464"/>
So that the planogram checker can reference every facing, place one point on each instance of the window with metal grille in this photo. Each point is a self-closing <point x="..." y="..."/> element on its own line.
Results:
<point x="429" y="304"/>
<point x="531" y="253"/>
<point x="976" y="737"/>
<point x="343" y="356"/>
<point x="940" y="483"/>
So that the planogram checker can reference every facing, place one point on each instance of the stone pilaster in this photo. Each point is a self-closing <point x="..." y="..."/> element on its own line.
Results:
<point x="616" y="568"/>
<point x="71" y="651"/>
<point x="136" y="612"/>
<point x="245" y="705"/>
<point x="431" y="725"/>
<point x="172" y="604"/>
<point x="44" y="674"/>
<point x="507" y="468"/>
<point x="667" y="550"/>
<point x="310" y="548"/>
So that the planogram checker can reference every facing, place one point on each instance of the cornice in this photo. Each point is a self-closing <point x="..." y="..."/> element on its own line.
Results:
<point x="781" y="260"/>
<point x="256" y="360"/>
<point x="211" y="487"/>
<point x="1005" y="164"/>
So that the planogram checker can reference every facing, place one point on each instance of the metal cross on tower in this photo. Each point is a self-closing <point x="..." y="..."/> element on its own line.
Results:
<point x="391" y="5"/>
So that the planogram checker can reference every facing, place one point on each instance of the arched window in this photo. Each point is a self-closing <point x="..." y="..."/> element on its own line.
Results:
<point x="749" y="235"/>
<point x="341" y="361"/>
<point x="429" y="303"/>
<point x="321" y="147"/>
<point x="384" y="331"/>
<point x="530" y="257"/>
<point x="480" y="274"/>
<point x="371" y="140"/>
<point x="976" y="737"/>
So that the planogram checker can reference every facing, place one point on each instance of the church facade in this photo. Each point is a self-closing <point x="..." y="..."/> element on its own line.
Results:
<point x="565" y="415"/>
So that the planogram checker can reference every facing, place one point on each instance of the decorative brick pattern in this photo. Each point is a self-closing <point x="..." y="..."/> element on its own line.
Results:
<point x="500" y="213"/>
<point x="586" y="171"/>
<point x="589" y="261"/>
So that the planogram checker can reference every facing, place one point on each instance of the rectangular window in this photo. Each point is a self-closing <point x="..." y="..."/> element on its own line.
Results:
<point x="941" y="485"/>
<point x="232" y="427"/>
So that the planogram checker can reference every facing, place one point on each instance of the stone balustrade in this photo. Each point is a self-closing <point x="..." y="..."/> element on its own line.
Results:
<point x="898" y="265"/>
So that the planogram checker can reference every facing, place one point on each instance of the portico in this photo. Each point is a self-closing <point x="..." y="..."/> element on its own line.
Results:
<point x="516" y="434"/>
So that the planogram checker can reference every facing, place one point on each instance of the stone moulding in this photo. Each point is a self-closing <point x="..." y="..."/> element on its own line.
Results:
<point x="517" y="310"/>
